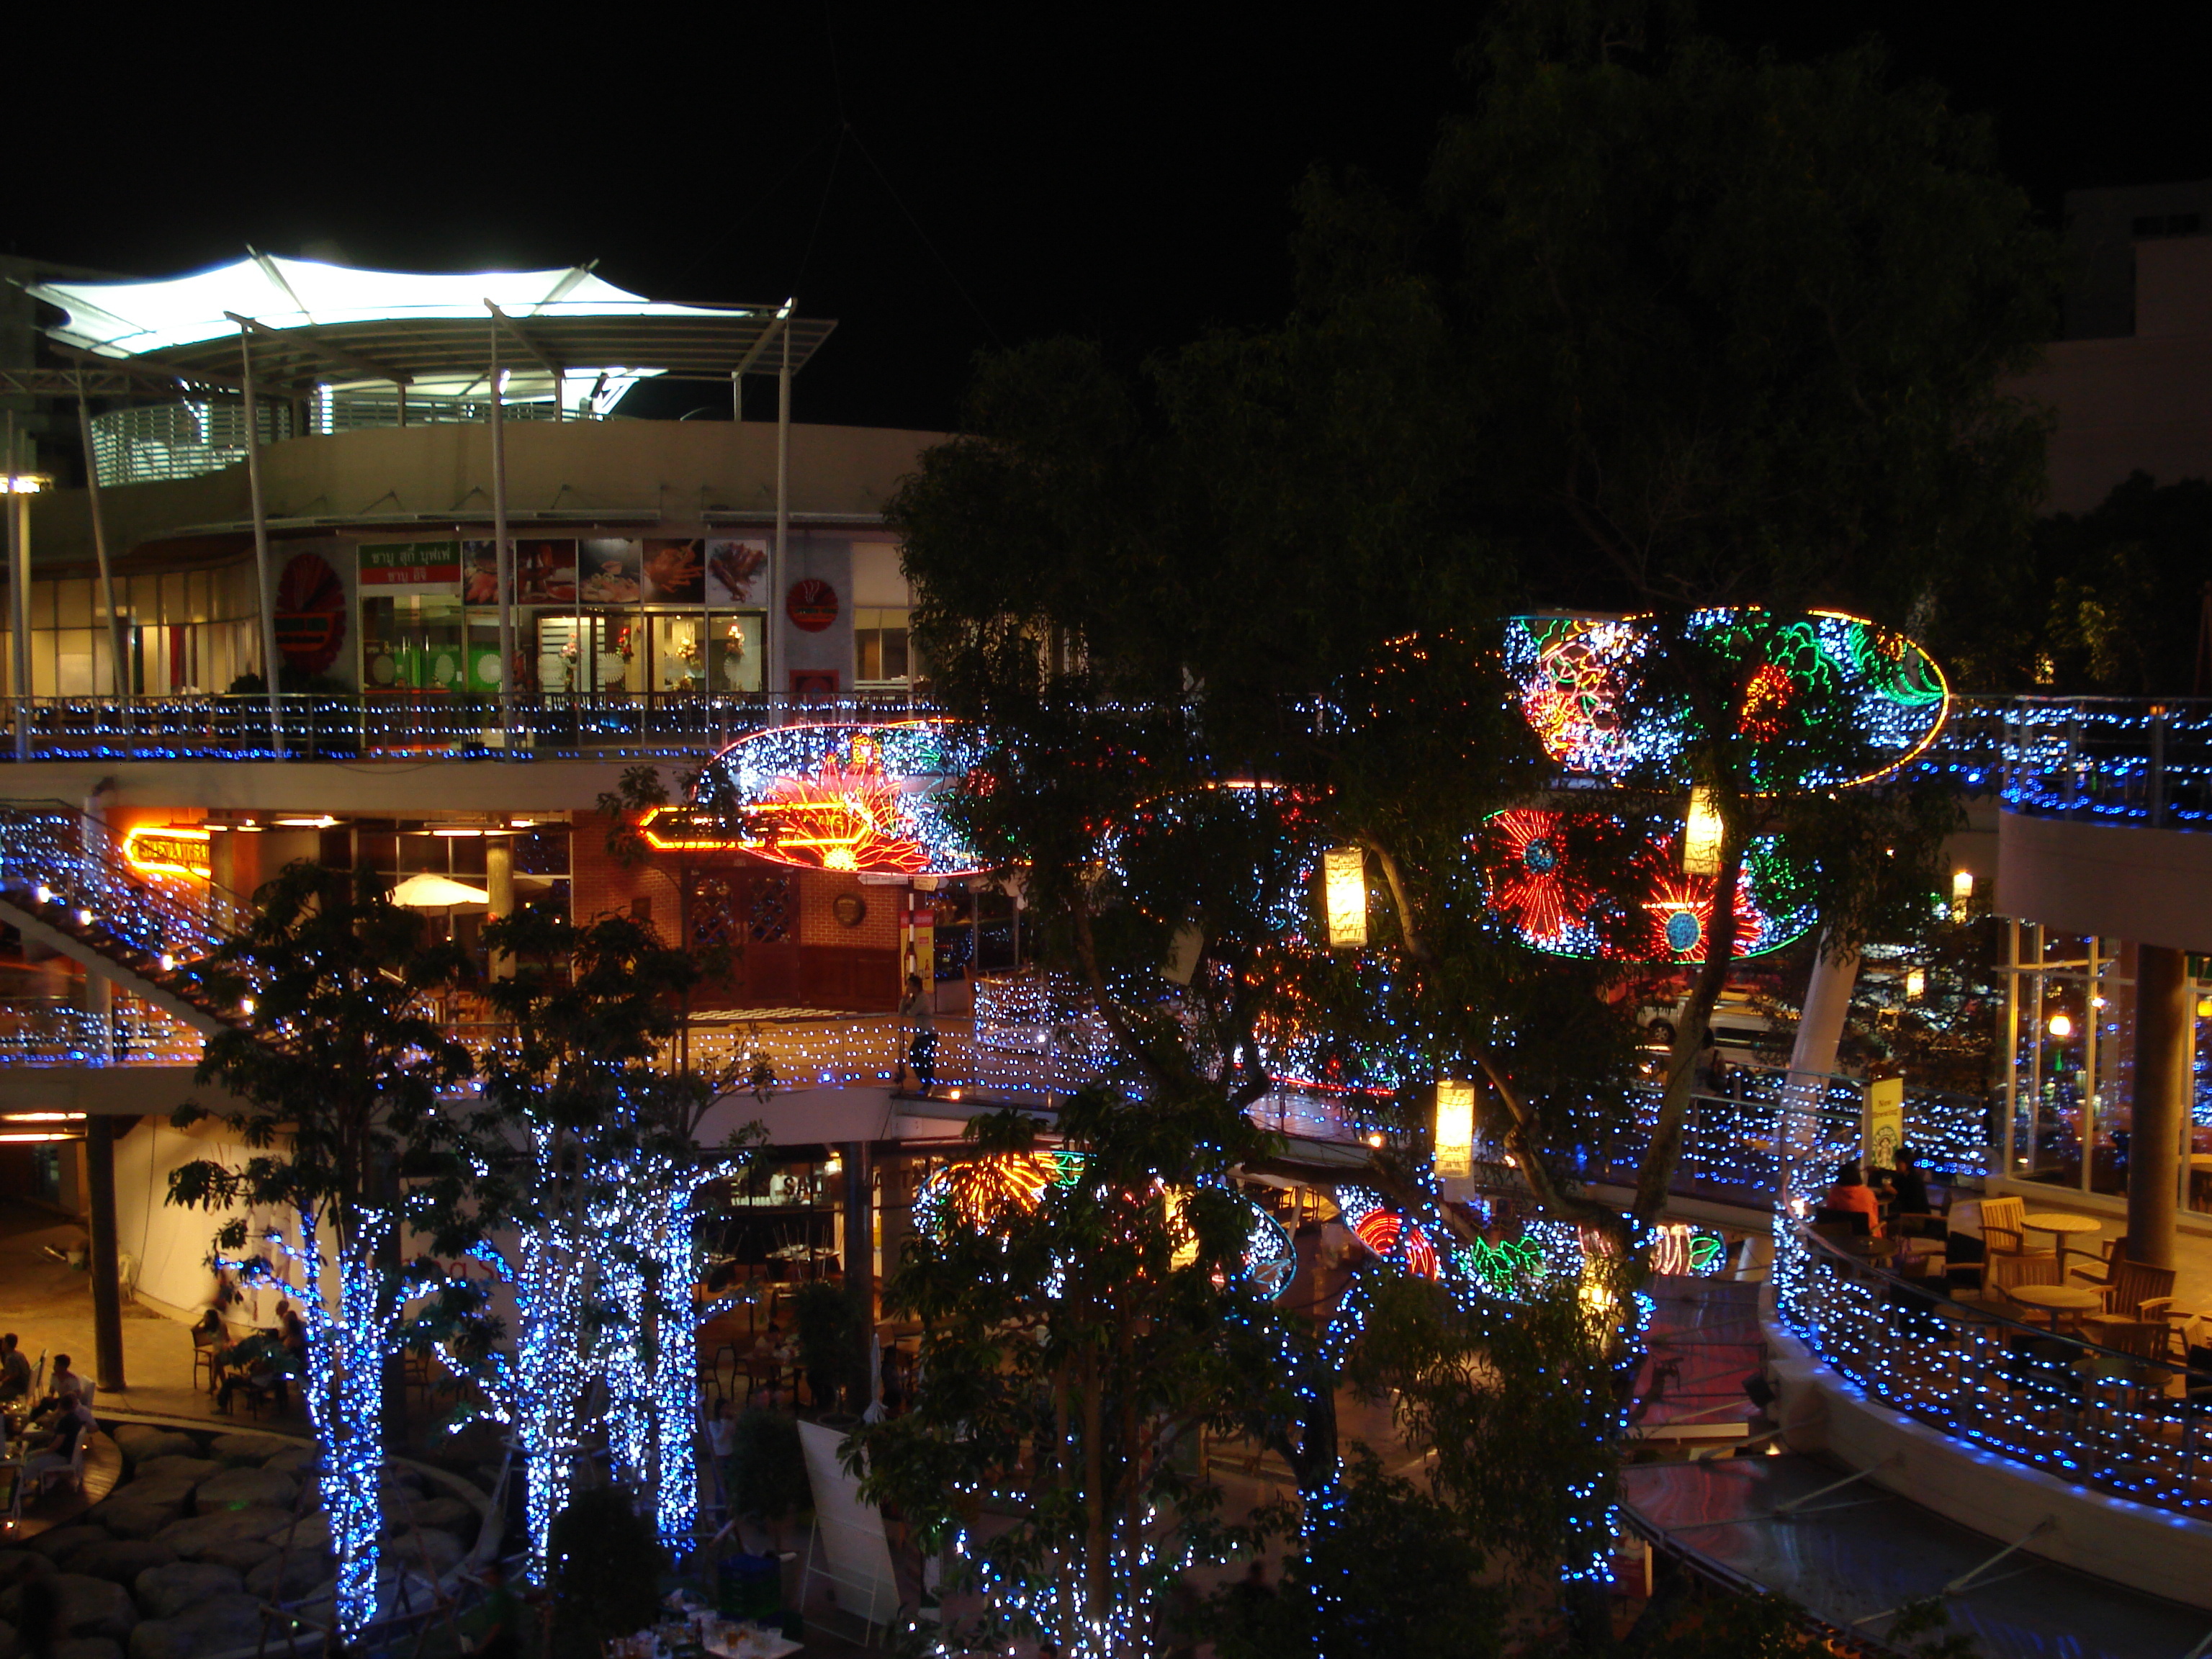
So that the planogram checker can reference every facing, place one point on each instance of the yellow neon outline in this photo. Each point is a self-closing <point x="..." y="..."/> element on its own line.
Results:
<point x="152" y="867"/>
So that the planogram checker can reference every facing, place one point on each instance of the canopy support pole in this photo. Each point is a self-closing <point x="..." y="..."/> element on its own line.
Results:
<point x="504" y="553"/>
<point x="268" y="587"/>
<point x="19" y="604"/>
<point x="782" y="578"/>
<point x="121" y="676"/>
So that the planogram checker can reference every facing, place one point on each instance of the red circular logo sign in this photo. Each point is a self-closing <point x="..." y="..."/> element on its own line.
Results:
<point x="811" y="604"/>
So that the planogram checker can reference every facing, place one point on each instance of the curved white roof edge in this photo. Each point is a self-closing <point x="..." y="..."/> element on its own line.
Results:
<point x="122" y="319"/>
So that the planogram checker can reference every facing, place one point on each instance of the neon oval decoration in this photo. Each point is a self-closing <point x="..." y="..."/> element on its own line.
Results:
<point x="1821" y="673"/>
<point x="1537" y="869"/>
<point x="843" y="797"/>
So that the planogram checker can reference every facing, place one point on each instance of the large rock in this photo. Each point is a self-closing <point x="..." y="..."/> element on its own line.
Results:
<point x="88" y="1647"/>
<point x="189" y="1536"/>
<point x="449" y="1514"/>
<point x="311" y="1532"/>
<point x="167" y="1592"/>
<point x="88" y="1606"/>
<point x="7" y="1641"/>
<point x="168" y="1489"/>
<point x="222" y="1623"/>
<point x="251" y="1448"/>
<point x="138" y="1441"/>
<point x="126" y="1517"/>
<point x="297" y="1460"/>
<point x="241" y="1555"/>
<point x="58" y="1544"/>
<point x="432" y="1551"/>
<point x="239" y="1489"/>
<point x="16" y="1565"/>
<point x="191" y="1470"/>
<point x="293" y="1576"/>
<point x="123" y="1561"/>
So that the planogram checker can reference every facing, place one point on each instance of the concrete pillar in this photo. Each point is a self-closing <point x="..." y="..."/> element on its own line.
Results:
<point x="2165" y="1040"/>
<point x="107" y="1270"/>
<point x="499" y="883"/>
<point x="860" y="1253"/>
<point x="1811" y="1058"/>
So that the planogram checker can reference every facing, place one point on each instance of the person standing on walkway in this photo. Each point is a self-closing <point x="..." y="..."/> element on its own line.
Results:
<point x="916" y="1016"/>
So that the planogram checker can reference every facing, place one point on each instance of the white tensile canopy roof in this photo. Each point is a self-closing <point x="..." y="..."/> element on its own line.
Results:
<point x="317" y="323"/>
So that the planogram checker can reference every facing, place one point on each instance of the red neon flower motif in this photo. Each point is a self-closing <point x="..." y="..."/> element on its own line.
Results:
<point x="1378" y="1230"/>
<point x="1532" y="884"/>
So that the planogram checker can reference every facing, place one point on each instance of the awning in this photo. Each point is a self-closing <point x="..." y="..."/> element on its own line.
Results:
<point x="332" y="325"/>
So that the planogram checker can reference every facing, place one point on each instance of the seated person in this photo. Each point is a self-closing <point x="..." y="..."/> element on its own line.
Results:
<point x="260" y="1361"/>
<point x="73" y="1422"/>
<point x="14" y="1369"/>
<point x="62" y="1391"/>
<point x="292" y="1331"/>
<point x="1910" y="1185"/>
<point x="1851" y="1192"/>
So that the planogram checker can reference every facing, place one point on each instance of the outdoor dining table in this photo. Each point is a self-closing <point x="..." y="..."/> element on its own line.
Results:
<point x="2060" y="1222"/>
<point x="2057" y="1299"/>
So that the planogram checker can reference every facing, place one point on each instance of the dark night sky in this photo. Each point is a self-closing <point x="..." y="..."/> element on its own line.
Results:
<point x="1123" y="171"/>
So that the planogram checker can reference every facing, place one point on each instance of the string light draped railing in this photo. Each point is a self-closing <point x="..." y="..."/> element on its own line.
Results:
<point x="414" y="726"/>
<point x="129" y="1033"/>
<point x="2111" y="760"/>
<point x="70" y="869"/>
<point x="2136" y="1425"/>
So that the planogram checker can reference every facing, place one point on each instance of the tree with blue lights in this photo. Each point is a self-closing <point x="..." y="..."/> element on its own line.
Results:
<point x="573" y="1083"/>
<point x="363" y="1164"/>
<point x="1076" y="1339"/>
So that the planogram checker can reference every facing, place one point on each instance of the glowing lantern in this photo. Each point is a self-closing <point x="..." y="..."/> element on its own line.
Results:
<point x="1455" y="1130"/>
<point x="1343" y="896"/>
<point x="2061" y="1027"/>
<point x="1701" y="836"/>
<point x="1962" y="891"/>
<point x="1915" y="983"/>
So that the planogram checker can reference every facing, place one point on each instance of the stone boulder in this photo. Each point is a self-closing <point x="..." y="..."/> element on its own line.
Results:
<point x="241" y="1555"/>
<point x="169" y="1489"/>
<point x="191" y="1469"/>
<point x="138" y="1441"/>
<point x="243" y="1488"/>
<point x="88" y="1647"/>
<point x="311" y="1532"/>
<point x="58" y="1544"/>
<point x="447" y="1514"/>
<point x="427" y="1549"/>
<point x="292" y="1576"/>
<point x="222" y="1623"/>
<point x="127" y="1517"/>
<point x="189" y="1536"/>
<point x="167" y="1592"/>
<point x="250" y="1448"/>
<point x="300" y="1461"/>
<point x="89" y="1606"/>
<point x="123" y="1561"/>
<point x="16" y="1565"/>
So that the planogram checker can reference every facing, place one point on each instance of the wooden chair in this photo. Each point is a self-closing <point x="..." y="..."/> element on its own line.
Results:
<point x="204" y="1345"/>
<point x="64" y="1472"/>
<point x="2133" y="1292"/>
<point x="2005" y="1270"/>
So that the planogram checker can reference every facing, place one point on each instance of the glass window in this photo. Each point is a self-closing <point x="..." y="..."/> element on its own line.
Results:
<point x="197" y="602"/>
<point x="42" y="605"/>
<point x="733" y="654"/>
<point x="174" y="606"/>
<point x="73" y="603"/>
<point x="879" y="645"/>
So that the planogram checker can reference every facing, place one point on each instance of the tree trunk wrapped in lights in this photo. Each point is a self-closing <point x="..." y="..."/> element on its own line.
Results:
<point x="337" y="1055"/>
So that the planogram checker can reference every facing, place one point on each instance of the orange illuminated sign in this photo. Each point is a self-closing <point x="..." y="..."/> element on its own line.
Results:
<point x="168" y="849"/>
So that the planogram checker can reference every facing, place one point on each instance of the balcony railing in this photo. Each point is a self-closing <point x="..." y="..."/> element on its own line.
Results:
<point x="2111" y="760"/>
<point x="2138" y="1423"/>
<point x="316" y="726"/>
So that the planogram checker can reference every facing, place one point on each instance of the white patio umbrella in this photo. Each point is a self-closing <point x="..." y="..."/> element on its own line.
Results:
<point x="427" y="892"/>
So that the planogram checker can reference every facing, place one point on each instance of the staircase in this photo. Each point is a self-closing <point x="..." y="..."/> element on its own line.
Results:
<point x="65" y="885"/>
